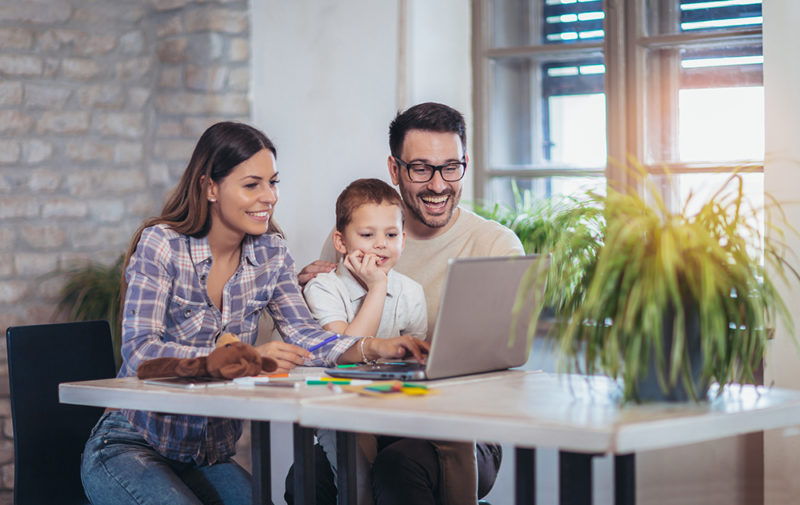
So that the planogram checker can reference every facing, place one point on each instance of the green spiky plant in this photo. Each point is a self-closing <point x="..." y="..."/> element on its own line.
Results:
<point x="533" y="221"/>
<point x="92" y="292"/>
<point x="624" y="264"/>
<point x="568" y="229"/>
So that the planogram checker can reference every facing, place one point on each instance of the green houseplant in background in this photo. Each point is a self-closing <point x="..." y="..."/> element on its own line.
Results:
<point x="93" y="292"/>
<point x="681" y="299"/>
<point x="570" y="230"/>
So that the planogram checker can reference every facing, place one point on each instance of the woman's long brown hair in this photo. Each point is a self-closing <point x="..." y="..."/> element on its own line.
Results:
<point x="220" y="149"/>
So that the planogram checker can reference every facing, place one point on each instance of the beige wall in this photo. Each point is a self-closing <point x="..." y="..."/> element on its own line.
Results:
<point x="782" y="171"/>
<point x="353" y="65"/>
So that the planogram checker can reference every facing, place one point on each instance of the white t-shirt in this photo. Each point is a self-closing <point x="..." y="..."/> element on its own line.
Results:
<point x="425" y="260"/>
<point x="337" y="296"/>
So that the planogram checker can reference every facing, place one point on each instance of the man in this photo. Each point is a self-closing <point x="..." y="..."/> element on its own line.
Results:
<point x="428" y="162"/>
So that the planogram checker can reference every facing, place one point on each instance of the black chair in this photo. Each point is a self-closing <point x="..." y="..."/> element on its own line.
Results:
<point x="49" y="436"/>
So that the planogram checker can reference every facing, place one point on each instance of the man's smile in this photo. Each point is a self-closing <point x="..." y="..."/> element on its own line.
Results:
<point x="435" y="202"/>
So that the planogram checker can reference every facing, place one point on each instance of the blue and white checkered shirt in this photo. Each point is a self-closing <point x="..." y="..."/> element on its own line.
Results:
<point x="167" y="312"/>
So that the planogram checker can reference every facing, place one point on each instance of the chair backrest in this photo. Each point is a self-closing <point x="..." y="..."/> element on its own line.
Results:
<point x="48" y="436"/>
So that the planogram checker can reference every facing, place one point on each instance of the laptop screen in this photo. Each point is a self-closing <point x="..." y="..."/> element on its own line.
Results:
<point x="473" y="327"/>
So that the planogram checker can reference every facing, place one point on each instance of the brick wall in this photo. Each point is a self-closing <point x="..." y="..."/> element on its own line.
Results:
<point x="101" y="103"/>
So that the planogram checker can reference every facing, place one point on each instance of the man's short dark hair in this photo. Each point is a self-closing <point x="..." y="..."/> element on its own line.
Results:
<point x="429" y="116"/>
<point x="361" y="192"/>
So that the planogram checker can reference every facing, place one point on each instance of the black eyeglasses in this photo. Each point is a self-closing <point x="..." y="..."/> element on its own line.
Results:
<point x="423" y="172"/>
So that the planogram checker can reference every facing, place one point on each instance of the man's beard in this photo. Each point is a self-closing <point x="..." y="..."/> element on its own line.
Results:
<point x="414" y="205"/>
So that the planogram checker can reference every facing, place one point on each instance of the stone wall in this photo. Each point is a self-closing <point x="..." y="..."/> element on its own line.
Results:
<point x="101" y="103"/>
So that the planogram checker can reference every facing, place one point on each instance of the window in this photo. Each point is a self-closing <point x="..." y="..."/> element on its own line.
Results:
<point x="567" y="90"/>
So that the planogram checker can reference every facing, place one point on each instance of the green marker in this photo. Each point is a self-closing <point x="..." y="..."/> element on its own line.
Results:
<point x="383" y="388"/>
<point x="348" y="366"/>
<point x="324" y="383"/>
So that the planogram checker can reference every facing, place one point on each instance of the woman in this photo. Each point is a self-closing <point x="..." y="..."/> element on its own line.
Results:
<point x="209" y="264"/>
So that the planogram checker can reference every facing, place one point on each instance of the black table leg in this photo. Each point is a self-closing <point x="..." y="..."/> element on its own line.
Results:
<point x="304" y="477"/>
<point x="346" y="463"/>
<point x="625" y="479"/>
<point x="575" y="478"/>
<point x="525" y="487"/>
<point x="260" y="455"/>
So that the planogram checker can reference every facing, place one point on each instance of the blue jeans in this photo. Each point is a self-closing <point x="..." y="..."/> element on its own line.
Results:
<point x="119" y="467"/>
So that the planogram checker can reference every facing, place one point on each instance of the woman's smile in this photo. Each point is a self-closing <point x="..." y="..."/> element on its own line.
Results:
<point x="261" y="215"/>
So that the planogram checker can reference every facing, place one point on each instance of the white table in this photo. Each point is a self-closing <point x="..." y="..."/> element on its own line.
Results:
<point x="570" y="413"/>
<point x="579" y="417"/>
<point x="258" y="404"/>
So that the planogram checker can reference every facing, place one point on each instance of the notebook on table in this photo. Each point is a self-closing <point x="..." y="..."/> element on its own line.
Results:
<point x="473" y="325"/>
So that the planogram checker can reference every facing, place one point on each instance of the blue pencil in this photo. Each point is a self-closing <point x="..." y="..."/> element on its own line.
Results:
<point x="327" y="340"/>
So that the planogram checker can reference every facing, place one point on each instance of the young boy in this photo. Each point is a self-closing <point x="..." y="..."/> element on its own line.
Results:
<point x="364" y="296"/>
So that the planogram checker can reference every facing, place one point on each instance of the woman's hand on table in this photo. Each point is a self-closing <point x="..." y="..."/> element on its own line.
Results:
<point x="286" y="355"/>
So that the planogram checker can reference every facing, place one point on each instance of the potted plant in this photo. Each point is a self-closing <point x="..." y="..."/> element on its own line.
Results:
<point x="570" y="227"/>
<point x="676" y="299"/>
<point x="533" y="221"/>
<point x="93" y="292"/>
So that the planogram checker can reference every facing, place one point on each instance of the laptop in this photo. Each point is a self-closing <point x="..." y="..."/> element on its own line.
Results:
<point x="474" y="322"/>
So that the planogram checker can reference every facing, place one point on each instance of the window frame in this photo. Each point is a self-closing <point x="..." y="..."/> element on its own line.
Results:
<point x="624" y="48"/>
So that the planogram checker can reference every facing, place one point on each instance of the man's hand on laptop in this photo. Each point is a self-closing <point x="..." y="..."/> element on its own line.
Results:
<point x="397" y="347"/>
<point x="312" y="269"/>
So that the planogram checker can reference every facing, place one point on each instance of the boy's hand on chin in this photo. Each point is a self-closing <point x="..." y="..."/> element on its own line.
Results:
<point x="365" y="268"/>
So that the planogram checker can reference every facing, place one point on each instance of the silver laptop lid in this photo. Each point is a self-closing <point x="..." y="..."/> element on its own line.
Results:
<point x="474" y="321"/>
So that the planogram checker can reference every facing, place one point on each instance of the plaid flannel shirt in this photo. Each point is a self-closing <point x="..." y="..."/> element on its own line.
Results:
<point x="167" y="312"/>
